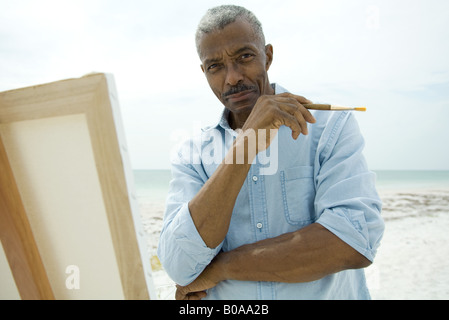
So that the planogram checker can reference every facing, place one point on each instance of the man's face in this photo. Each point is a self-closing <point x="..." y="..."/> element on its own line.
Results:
<point x="235" y="62"/>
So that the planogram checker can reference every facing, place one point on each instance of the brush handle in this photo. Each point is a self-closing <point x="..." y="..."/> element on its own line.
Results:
<point x="332" y="107"/>
<point x="317" y="106"/>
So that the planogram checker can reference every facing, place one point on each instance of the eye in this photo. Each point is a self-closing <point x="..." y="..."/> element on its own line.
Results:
<point x="246" y="57"/>
<point x="213" y="67"/>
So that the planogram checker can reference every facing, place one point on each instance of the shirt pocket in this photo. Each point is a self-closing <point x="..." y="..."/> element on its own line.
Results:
<point x="298" y="194"/>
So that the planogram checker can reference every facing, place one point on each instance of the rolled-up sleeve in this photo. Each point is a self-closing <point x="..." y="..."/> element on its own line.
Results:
<point x="346" y="200"/>
<point x="181" y="250"/>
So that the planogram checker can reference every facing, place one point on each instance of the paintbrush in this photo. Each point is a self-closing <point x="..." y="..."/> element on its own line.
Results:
<point x="331" y="107"/>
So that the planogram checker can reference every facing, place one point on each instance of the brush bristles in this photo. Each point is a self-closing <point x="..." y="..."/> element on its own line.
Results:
<point x="341" y="108"/>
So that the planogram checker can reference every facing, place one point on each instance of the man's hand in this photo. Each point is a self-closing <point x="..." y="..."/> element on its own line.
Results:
<point x="182" y="293"/>
<point x="273" y="111"/>
<point x="209" y="278"/>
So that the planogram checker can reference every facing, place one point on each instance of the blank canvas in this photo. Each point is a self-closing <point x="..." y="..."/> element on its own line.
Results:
<point x="67" y="152"/>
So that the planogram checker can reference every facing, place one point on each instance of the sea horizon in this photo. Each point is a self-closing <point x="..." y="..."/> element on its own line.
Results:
<point x="152" y="184"/>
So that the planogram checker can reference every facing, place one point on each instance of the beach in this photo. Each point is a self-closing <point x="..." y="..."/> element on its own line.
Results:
<point x="411" y="262"/>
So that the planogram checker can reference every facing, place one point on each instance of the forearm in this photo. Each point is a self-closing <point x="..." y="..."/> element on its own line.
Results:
<point x="302" y="256"/>
<point x="211" y="208"/>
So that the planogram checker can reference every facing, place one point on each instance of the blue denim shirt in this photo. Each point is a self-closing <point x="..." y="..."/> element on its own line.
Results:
<point x="322" y="177"/>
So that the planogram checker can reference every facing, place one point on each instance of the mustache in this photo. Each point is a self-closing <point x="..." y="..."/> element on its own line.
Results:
<point x="237" y="89"/>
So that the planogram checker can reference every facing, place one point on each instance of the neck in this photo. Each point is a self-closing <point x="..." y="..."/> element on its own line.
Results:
<point x="236" y="121"/>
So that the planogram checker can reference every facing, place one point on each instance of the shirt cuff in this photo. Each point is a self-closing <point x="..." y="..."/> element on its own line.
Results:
<point x="187" y="256"/>
<point x="351" y="227"/>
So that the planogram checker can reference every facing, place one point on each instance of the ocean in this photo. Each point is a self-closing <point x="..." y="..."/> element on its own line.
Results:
<point x="403" y="179"/>
<point x="152" y="185"/>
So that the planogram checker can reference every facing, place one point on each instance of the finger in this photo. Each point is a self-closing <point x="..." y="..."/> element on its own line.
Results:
<point x="307" y="114"/>
<point x="196" y="295"/>
<point x="298" y="98"/>
<point x="285" y="118"/>
<point x="300" y="102"/>
<point x="292" y="106"/>
<point x="302" y="99"/>
<point x="181" y="293"/>
<point x="302" y="122"/>
<point x="297" y="111"/>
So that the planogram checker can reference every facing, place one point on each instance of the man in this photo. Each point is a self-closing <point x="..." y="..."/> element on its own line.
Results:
<point x="231" y="231"/>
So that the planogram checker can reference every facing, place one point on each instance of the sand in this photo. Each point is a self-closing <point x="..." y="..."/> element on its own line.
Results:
<point x="412" y="261"/>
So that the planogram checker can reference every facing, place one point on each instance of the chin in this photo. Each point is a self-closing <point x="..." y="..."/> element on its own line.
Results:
<point x="238" y="109"/>
<point x="241" y="107"/>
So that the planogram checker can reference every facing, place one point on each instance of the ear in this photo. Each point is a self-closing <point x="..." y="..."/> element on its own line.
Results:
<point x="269" y="54"/>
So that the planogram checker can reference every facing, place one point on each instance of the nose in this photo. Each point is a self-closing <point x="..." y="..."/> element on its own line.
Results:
<point x="233" y="74"/>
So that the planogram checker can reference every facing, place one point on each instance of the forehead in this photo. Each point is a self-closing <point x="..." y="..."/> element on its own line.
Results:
<point x="231" y="39"/>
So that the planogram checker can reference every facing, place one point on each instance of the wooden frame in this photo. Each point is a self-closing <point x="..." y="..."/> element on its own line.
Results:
<point x="40" y="128"/>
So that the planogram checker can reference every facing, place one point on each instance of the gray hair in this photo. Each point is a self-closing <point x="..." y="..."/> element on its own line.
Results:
<point x="219" y="17"/>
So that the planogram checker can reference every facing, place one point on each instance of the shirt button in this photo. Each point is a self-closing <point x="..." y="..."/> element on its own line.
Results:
<point x="255" y="178"/>
<point x="259" y="225"/>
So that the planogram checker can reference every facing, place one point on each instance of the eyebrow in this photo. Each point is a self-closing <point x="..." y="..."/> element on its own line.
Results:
<point x="211" y="61"/>
<point x="243" y="49"/>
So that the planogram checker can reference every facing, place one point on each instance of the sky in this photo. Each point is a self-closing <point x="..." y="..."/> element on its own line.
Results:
<point x="390" y="56"/>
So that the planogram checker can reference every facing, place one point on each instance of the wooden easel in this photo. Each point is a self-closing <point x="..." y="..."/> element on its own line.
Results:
<point x="92" y="101"/>
<point x="17" y="239"/>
